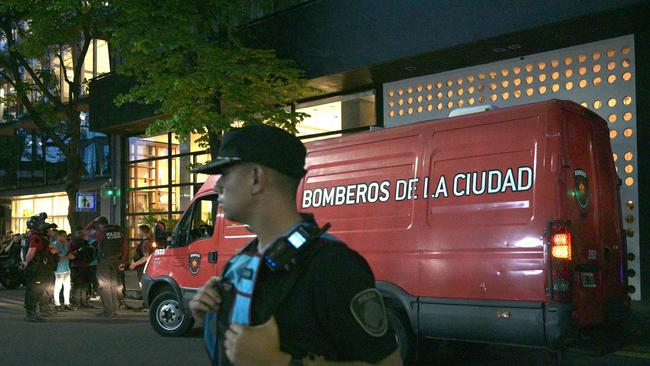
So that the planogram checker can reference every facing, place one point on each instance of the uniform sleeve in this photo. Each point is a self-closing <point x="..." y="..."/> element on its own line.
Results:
<point x="349" y="308"/>
<point x="35" y="241"/>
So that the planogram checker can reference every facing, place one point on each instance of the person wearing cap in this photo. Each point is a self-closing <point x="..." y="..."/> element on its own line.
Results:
<point x="322" y="307"/>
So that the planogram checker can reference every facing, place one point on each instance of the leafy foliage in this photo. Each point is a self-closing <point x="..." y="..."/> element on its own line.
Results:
<point x="189" y="58"/>
<point x="34" y="36"/>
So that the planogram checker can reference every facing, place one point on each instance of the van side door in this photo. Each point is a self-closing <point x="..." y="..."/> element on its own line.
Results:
<point x="195" y="242"/>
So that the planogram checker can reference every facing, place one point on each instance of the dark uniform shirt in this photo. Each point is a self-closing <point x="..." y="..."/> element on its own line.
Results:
<point x="316" y="317"/>
<point x="112" y="243"/>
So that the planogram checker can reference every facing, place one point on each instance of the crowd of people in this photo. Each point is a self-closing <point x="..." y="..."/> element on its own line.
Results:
<point x="68" y="270"/>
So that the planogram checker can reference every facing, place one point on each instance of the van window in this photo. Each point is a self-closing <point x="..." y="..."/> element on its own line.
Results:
<point x="198" y="221"/>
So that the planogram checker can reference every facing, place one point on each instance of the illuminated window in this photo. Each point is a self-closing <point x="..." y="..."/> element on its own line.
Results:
<point x="54" y="204"/>
<point x="343" y="112"/>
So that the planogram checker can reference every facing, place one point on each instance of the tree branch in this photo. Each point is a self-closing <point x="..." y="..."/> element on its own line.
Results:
<point x="7" y="78"/>
<point x="39" y="83"/>
<point x="65" y="71"/>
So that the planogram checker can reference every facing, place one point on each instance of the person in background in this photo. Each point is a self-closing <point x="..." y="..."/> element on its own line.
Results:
<point x="113" y="249"/>
<point x="13" y="246"/>
<point x="144" y="249"/>
<point x="62" y="272"/>
<point x="121" y="283"/>
<point x="36" y="268"/>
<point x="80" y="268"/>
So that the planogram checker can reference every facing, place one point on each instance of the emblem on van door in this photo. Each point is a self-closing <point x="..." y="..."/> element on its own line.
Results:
<point x="581" y="191"/>
<point x="195" y="262"/>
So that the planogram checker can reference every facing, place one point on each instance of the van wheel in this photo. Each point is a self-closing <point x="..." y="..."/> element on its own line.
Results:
<point x="167" y="317"/>
<point x="403" y="334"/>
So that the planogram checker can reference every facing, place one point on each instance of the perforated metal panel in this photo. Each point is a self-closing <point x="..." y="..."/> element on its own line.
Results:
<point x="599" y="76"/>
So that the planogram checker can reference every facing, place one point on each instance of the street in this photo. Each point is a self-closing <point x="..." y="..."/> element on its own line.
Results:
<point x="79" y="338"/>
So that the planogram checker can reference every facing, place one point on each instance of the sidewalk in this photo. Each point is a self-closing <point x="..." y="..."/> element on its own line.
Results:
<point x="133" y="296"/>
<point x="637" y="332"/>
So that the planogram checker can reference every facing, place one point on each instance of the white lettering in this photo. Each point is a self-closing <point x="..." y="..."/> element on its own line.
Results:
<point x="491" y="175"/>
<point x="361" y="193"/>
<point x="457" y="178"/>
<point x="474" y="179"/>
<point x="441" y="188"/>
<point x="384" y="190"/>
<point x="340" y="196"/>
<point x="520" y="178"/>
<point x="509" y="181"/>
<point x="401" y="190"/>
<point x="306" y="198"/>
<point x="413" y="188"/>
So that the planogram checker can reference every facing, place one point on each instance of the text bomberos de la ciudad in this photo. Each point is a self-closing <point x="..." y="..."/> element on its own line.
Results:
<point x="461" y="184"/>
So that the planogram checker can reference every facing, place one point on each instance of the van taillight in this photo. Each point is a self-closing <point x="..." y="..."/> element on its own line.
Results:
<point x="561" y="271"/>
<point x="561" y="245"/>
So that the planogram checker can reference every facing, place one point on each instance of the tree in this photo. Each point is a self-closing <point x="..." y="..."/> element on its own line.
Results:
<point x="34" y="35"/>
<point x="189" y="58"/>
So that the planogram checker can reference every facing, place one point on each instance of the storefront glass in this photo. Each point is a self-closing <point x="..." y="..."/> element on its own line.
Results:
<point x="54" y="204"/>
<point x="338" y="113"/>
<point x="160" y="183"/>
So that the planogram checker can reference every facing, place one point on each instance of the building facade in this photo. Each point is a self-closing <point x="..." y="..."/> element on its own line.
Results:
<point x="33" y="167"/>
<point x="395" y="62"/>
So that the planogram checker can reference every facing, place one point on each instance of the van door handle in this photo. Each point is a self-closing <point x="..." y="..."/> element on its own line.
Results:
<point x="212" y="257"/>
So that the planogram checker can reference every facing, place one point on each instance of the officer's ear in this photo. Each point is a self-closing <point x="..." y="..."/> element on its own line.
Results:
<point x="258" y="179"/>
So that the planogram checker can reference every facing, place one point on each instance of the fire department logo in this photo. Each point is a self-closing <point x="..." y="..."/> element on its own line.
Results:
<point x="581" y="188"/>
<point x="195" y="263"/>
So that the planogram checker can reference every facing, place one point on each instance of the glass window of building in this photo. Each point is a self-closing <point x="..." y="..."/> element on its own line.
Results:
<point x="160" y="183"/>
<point x="95" y="63"/>
<point x="338" y="113"/>
<point x="32" y="159"/>
<point x="54" y="204"/>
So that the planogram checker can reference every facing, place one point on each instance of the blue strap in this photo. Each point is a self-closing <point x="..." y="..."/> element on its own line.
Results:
<point x="241" y="273"/>
<point x="210" y="338"/>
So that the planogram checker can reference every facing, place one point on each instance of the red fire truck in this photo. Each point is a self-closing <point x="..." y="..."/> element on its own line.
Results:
<point x="498" y="227"/>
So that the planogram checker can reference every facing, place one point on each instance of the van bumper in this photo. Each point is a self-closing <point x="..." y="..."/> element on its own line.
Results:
<point x="533" y="324"/>
<point x="561" y="329"/>
<point x="146" y="286"/>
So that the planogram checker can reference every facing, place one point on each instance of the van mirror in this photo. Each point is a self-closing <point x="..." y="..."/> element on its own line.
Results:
<point x="159" y="234"/>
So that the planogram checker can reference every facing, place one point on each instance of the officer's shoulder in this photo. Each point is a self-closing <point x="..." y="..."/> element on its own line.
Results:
<point x="332" y="250"/>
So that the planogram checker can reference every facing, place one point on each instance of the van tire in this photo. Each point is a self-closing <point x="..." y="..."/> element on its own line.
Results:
<point x="167" y="317"/>
<point x="403" y="334"/>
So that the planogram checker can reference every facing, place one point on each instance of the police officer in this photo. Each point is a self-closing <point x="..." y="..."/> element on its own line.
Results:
<point x="321" y="306"/>
<point x="112" y="248"/>
<point x="36" y="268"/>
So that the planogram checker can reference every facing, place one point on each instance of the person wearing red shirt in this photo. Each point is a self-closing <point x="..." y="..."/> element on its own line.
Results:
<point x="35" y="270"/>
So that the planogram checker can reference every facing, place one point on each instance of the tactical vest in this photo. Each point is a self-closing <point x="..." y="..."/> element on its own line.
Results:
<point x="111" y="246"/>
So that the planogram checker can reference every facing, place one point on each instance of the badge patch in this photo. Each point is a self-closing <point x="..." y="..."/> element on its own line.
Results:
<point x="368" y="309"/>
<point x="195" y="262"/>
<point x="581" y="188"/>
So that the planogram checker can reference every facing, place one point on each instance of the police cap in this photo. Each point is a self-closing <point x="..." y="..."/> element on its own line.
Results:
<point x="261" y="144"/>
